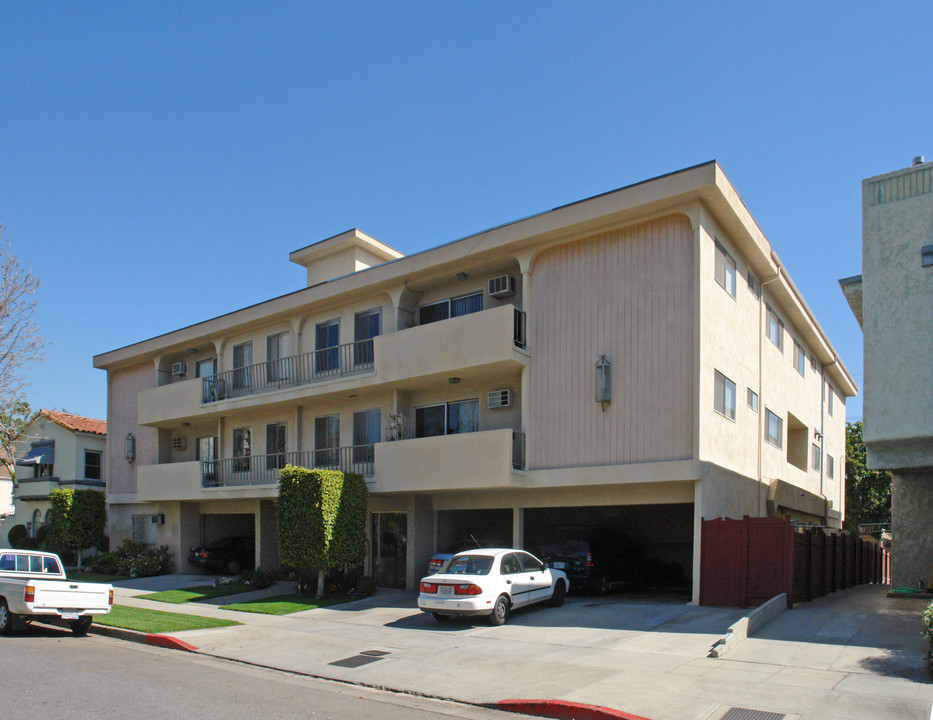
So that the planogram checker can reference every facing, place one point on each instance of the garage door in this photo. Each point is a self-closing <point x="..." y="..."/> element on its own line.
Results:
<point x="653" y="542"/>
<point x="464" y="529"/>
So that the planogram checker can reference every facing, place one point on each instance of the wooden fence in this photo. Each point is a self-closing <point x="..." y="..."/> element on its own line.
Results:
<point x="746" y="562"/>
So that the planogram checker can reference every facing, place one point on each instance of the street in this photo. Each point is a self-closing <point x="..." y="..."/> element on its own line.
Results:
<point x="49" y="673"/>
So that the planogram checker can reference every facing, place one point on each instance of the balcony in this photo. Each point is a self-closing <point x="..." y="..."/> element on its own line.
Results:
<point x="466" y="461"/>
<point x="484" y="341"/>
<point x="264" y="469"/>
<point x="334" y="362"/>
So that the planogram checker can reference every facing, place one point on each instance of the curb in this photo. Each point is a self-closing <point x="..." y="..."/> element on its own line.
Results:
<point x="164" y="641"/>
<point x="745" y="626"/>
<point x="563" y="710"/>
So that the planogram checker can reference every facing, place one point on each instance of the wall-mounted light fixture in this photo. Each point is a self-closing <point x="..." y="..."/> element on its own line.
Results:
<point x="453" y="380"/>
<point x="462" y="276"/>
<point x="603" y="381"/>
<point x="129" y="447"/>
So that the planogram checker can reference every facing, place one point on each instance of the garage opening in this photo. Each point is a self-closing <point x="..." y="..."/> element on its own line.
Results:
<point x="638" y="547"/>
<point x="464" y="529"/>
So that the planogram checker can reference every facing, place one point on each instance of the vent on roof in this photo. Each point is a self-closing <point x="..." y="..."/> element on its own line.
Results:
<point x="499" y="399"/>
<point x="502" y="286"/>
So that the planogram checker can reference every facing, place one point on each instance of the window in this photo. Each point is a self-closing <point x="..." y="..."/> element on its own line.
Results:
<point x="327" y="441"/>
<point x="830" y="394"/>
<point x="815" y="457"/>
<point x="276" y="446"/>
<point x="276" y="354"/>
<point x="800" y="358"/>
<point x="366" y="326"/>
<point x="752" y="399"/>
<point x="724" y="395"/>
<point x="36" y="521"/>
<point x="775" y="329"/>
<point x="241" y="450"/>
<point x="830" y="467"/>
<point x="367" y="426"/>
<point x="725" y="269"/>
<point x="926" y="256"/>
<point x="242" y="362"/>
<point x="206" y="449"/>
<point x="92" y="464"/>
<point x="451" y="308"/>
<point x="326" y="342"/>
<point x="774" y="429"/>
<point x="447" y="418"/>
<point x="206" y="368"/>
<point x="754" y="285"/>
<point x="144" y="529"/>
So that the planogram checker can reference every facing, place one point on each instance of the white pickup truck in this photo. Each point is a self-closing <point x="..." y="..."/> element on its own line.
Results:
<point x="33" y="586"/>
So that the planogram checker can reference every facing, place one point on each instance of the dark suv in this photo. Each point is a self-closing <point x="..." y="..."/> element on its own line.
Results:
<point x="594" y="558"/>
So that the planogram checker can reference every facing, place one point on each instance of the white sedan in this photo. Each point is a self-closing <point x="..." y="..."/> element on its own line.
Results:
<point x="491" y="582"/>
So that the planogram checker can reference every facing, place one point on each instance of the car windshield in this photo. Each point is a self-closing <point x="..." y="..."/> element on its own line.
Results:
<point x="468" y="565"/>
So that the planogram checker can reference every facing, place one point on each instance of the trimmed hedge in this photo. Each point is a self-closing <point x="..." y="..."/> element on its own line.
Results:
<point x="321" y="518"/>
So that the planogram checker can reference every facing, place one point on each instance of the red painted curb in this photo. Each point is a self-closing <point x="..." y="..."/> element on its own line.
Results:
<point x="564" y="710"/>
<point x="167" y="641"/>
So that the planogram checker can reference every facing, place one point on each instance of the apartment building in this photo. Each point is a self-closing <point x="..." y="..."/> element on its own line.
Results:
<point x="893" y="302"/>
<point x="639" y="359"/>
<point x="57" y="450"/>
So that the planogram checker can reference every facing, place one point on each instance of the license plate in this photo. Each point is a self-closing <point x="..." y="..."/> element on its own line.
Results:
<point x="70" y="615"/>
<point x="445" y="589"/>
<point x="559" y="565"/>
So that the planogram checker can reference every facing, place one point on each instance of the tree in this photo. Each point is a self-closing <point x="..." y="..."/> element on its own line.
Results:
<point x="87" y="520"/>
<point x="57" y="537"/>
<point x="868" y="492"/>
<point x="20" y="346"/>
<point x="14" y="421"/>
<point x="321" y="519"/>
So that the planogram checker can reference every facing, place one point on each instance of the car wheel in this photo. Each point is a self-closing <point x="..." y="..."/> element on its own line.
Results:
<point x="441" y="617"/>
<point x="80" y="626"/>
<point x="560" y="592"/>
<point x="232" y="567"/>
<point x="6" y="618"/>
<point x="500" y="611"/>
<point x="602" y="586"/>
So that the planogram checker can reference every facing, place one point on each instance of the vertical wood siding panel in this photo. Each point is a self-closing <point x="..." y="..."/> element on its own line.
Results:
<point x="627" y="294"/>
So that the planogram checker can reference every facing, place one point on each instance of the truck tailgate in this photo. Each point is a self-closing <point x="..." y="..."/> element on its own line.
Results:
<point x="54" y="594"/>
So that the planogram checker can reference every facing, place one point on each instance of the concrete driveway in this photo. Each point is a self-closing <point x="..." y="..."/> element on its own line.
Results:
<point x="856" y="654"/>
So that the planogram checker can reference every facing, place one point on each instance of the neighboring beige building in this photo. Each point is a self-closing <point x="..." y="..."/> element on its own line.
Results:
<point x="462" y="382"/>
<point x="893" y="302"/>
<point x="58" y="449"/>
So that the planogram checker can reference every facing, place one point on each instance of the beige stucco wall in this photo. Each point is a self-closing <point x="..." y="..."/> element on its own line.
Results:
<point x="897" y="221"/>
<point x="625" y="294"/>
<point x="123" y="388"/>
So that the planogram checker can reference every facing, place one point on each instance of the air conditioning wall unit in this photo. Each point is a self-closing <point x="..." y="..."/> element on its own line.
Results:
<point x="502" y="286"/>
<point x="158" y="519"/>
<point x="179" y="368"/>
<point x="499" y="399"/>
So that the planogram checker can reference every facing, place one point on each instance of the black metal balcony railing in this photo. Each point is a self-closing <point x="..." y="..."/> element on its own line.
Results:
<point x="518" y="451"/>
<point x="331" y="362"/>
<point x="519" y="333"/>
<point x="264" y="469"/>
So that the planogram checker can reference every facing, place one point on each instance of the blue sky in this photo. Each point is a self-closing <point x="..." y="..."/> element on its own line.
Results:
<point x="158" y="161"/>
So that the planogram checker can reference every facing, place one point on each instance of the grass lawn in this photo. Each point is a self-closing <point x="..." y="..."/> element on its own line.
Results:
<point x="286" y="604"/>
<point x="156" y="621"/>
<point x="199" y="592"/>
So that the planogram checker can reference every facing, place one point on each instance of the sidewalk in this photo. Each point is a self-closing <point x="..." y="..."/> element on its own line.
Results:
<point x="855" y="654"/>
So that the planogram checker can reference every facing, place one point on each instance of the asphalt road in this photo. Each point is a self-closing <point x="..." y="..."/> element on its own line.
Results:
<point x="47" y="673"/>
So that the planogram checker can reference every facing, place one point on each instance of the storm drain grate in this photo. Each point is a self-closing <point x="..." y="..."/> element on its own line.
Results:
<point x="746" y="714"/>
<point x="364" y="658"/>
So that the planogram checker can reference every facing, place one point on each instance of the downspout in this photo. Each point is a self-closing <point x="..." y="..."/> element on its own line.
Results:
<point x="823" y="367"/>
<point x="761" y="411"/>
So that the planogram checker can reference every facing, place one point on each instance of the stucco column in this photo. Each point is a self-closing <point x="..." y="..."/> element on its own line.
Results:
<point x="697" y="545"/>
<point x="518" y="527"/>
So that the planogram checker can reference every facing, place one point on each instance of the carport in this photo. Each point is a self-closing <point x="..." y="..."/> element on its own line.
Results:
<point x="464" y="529"/>
<point x="659" y="537"/>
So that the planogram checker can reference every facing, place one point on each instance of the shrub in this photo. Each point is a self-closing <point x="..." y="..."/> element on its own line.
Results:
<point x="28" y="543"/>
<point x="928" y="624"/>
<point x="257" y="579"/>
<point x="16" y="534"/>
<point x="133" y="559"/>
